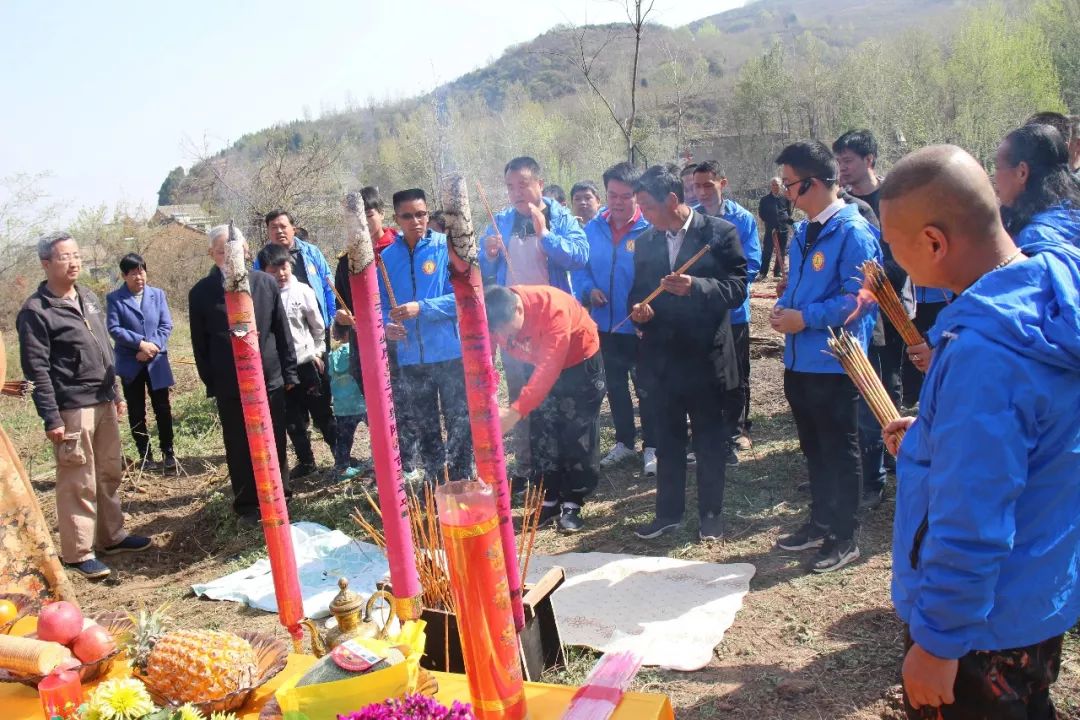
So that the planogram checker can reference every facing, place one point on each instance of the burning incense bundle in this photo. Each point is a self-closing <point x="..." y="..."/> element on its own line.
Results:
<point x="530" y="521"/>
<point x="244" y="336"/>
<point x="17" y="388"/>
<point x="876" y="282"/>
<point x="849" y="352"/>
<point x="481" y="380"/>
<point x="478" y="579"/>
<point x="371" y="341"/>
<point x="656" y="293"/>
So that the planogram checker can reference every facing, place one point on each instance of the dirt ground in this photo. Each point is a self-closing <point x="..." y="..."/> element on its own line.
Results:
<point x="803" y="646"/>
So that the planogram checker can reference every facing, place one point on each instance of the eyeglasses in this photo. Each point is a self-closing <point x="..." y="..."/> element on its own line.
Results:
<point x="68" y="257"/>
<point x="418" y="215"/>
<point x="788" y="186"/>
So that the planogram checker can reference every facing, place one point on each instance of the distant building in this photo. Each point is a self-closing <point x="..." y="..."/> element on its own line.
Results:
<point x="191" y="215"/>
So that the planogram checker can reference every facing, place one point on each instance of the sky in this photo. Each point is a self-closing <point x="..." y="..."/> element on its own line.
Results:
<point x="108" y="96"/>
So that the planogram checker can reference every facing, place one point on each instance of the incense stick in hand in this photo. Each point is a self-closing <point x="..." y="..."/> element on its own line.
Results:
<point x="656" y="293"/>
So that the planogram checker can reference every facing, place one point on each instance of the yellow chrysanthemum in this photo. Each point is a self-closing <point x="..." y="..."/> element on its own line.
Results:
<point x="124" y="699"/>
<point x="223" y="716"/>
<point x="187" y="711"/>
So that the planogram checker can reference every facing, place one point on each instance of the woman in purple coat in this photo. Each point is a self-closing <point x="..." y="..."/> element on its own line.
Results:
<point x="139" y="322"/>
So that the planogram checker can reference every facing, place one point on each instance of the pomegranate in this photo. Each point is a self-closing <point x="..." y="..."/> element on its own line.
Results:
<point x="59" y="622"/>
<point x="93" y="643"/>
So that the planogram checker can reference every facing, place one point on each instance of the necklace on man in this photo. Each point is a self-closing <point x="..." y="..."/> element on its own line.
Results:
<point x="1006" y="261"/>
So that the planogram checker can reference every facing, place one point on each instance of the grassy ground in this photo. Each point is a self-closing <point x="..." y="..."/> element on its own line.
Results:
<point x="803" y="646"/>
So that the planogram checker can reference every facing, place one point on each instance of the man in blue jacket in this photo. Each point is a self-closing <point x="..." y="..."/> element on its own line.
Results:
<point x="310" y="266"/>
<point x="424" y="324"/>
<point x="986" y="543"/>
<point x="709" y="184"/>
<point x="535" y="241"/>
<point x="604" y="286"/>
<point x="824" y="278"/>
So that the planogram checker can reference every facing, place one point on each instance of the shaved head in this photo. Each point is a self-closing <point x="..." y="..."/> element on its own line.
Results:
<point x="943" y="186"/>
<point x="940" y="216"/>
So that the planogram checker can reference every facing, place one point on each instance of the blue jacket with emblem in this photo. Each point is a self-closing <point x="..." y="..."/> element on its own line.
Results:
<point x="564" y="244"/>
<point x="746" y="224"/>
<point x="1060" y="223"/>
<point x="422" y="275"/>
<point x="986" y="538"/>
<point x="823" y="282"/>
<point x="130" y="322"/>
<point x="611" y="270"/>
<point x="320" y="278"/>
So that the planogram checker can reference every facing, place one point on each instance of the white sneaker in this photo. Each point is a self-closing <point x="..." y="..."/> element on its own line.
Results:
<point x="618" y="453"/>
<point x="648" y="466"/>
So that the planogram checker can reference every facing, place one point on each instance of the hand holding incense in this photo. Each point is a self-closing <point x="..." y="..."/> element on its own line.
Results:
<point x="371" y="341"/>
<point x="495" y="229"/>
<point x="876" y="282"/>
<point x="656" y="293"/>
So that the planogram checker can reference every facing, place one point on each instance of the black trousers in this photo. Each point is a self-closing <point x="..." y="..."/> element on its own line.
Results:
<point x="767" y="251"/>
<point x="1000" y="685"/>
<point x="825" y="408"/>
<point x="238" y="454"/>
<point x="737" y="399"/>
<point x="309" y="401"/>
<point x="564" y="433"/>
<point x="925" y="316"/>
<point x="886" y="360"/>
<point x="674" y="401"/>
<point x="620" y="353"/>
<point x="135" y="393"/>
<point x="426" y="397"/>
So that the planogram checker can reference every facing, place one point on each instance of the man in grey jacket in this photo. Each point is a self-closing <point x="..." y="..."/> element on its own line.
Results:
<point x="65" y="352"/>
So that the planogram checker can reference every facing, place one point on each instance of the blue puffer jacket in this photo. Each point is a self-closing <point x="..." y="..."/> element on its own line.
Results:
<point x="822" y="284"/>
<point x="990" y="471"/>
<point x="928" y="296"/>
<point x="565" y="245"/>
<point x="746" y="224"/>
<point x="611" y="269"/>
<point x="1060" y="223"/>
<point x="320" y="278"/>
<point x="422" y="274"/>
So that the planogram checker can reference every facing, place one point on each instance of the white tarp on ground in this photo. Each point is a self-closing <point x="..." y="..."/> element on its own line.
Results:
<point x="671" y="612"/>
<point x="322" y="556"/>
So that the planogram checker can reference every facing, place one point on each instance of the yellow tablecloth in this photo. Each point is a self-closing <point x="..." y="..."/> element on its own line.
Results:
<point x="546" y="702"/>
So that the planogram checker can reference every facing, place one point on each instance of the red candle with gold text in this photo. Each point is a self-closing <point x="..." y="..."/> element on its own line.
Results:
<point x="470" y="526"/>
<point x="61" y="695"/>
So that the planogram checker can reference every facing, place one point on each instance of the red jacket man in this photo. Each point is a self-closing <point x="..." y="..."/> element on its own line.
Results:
<point x="548" y="329"/>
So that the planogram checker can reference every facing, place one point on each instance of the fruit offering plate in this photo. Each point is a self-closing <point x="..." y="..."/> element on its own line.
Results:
<point x="271" y="655"/>
<point x="24" y="605"/>
<point x="117" y="624"/>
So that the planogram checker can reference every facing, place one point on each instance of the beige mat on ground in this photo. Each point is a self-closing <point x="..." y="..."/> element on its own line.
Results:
<point x="672" y="612"/>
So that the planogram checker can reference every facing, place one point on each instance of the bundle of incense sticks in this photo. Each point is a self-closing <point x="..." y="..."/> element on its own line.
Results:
<point x="849" y="352"/>
<point x="17" y="388"/>
<point x="876" y="282"/>
<point x="429" y="548"/>
<point x="603" y="689"/>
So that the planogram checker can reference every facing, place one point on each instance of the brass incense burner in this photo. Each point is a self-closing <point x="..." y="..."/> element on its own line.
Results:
<point x="354" y="620"/>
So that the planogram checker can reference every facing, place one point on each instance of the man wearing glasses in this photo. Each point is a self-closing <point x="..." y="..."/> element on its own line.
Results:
<point x="424" y="325"/>
<point x="65" y="352"/>
<point x="823" y="281"/>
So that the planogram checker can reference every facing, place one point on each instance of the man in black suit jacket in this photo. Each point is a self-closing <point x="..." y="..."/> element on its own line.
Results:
<point x="687" y="352"/>
<point x="214" y="359"/>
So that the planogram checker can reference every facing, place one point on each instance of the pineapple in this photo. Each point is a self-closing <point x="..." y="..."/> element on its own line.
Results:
<point x="189" y="665"/>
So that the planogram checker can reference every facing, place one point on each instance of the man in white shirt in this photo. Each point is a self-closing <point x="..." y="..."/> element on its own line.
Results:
<point x="310" y="399"/>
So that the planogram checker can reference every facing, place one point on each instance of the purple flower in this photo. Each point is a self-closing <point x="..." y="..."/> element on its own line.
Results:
<point x="412" y="707"/>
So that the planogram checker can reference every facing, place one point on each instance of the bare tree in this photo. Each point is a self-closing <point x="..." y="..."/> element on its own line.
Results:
<point x="637" y="13"/>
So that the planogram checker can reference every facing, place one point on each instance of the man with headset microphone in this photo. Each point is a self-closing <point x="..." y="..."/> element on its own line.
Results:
<point x="824" y="279"/>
